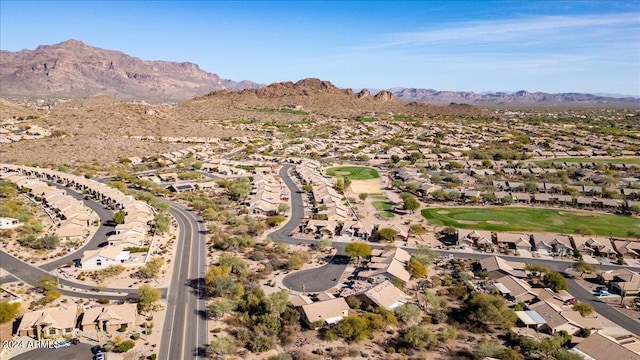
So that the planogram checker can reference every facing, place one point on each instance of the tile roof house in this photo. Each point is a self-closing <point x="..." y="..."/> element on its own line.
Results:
<point x="600" y="347"/>
<point x="514" y="241"/>
<point x="475" y="238"/>
<point x="625" y="280"/>
<point x="496" y="267"/>
<point x="385" y="295"/>
<point x="330" y="311"/>
<point x="109" y="318"/>
<point x="514" y="289"/>
<point x="552" y="244"/>
<point x="387" y="264"/>
<point x="590" y="245"/>
<point x="52" y="322"/>
<point x="554" y="320"/>
<point x="105" y="256"/>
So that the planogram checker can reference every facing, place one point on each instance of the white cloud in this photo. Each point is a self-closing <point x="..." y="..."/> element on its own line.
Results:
<point x="515" y="30"/>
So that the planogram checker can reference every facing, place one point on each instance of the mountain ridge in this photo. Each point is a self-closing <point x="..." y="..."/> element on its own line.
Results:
<point x="73" y="69"/>
<point x="518" y="97"/>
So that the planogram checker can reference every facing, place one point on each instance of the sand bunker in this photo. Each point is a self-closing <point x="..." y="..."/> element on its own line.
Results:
<point x="575" y="214"/>
<point x="371" y="186"/>
<point x="497" y="222"/>
<point x="444" y="212"/>
<point x="467" y="222"/>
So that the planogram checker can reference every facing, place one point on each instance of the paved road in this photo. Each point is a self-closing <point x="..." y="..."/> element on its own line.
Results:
<point x="184" y="334"/>
<point x="73" y="352"/>
<point x="633" y="325"/>
<point x="32" y="274"/>
<point x="320" y="279"/>
<point x="98" y="238"/>
<point x="311" y="280"/>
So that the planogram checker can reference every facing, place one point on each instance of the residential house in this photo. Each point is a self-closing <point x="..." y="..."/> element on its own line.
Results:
<point x="48" y="323"/>
<point x="103" y="257"/>
<point x="559" y="245"/>
<point x="316" y="314"/>
<point x="386" y="265"/>
<point x="625" y="281"/>
<point x="497" y="267"/>
<point x="385" y="295"/>
<point x="514" y="241"/>
<point x="515" y="290"/>
<point x="109" y="318"/>
<point x="627" y="249"/>
<point x="555" y="322"/>
<point x="595" y="246"/>
<point x="601" y="347"/>
<point x="475" y="238"/>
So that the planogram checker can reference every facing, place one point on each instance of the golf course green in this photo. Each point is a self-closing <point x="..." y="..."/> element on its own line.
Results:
<point x="533" y="219"/>
<point x="353" y="172"/>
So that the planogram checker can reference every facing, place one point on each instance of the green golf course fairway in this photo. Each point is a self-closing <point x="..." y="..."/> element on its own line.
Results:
<point x="533" y="220"/>
<point x="353" y="172"/>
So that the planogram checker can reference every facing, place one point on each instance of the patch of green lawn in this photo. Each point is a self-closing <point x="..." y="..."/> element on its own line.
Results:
<point x="533" y="219"/>
<point x="384" y="208"/>
<point x="629" y="160"/>
<point x="354" y="172"/>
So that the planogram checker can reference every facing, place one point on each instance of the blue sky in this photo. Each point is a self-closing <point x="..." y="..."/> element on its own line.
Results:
<point x="551" y="46"/>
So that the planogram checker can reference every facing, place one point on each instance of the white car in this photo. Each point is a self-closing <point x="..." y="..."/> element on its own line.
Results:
<point x="62" y="344"/>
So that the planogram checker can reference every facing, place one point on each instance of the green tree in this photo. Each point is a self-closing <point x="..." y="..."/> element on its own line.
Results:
<point x="261" y="343"/>
<point x="410" y="203"/>
<point x="491" y="309"/>
<point x="283" y="208"/>
<point x="420" y="337"/>
<point x="416" y="269"/>
<point x="220" y="307"/>
<point x="222" y="346"/>
<point x="555" y="281"/>
<point x="358" y="250"/>
<point x="354" y="328"/>
<point x="147" y="296"/>
<point x="46" y="284"/>
<point x="583" y="308"/>
<point x="417" y="229"/>
<point x="387" y="234"/>
<point x="425" y="255"/>
<point x="363" y="196"/>
<point x="409" y="314"/>
<point x="126" y="346"/>
<point x="163" y="222"/>
<point x="340" y="185"/>
<point x="9" y="311"/>
<point x="583" y="267"/>
<point x="295" y="262"/>
<point x="237" y="265"/>
<point x="118" y="217"/>
<point x="489" y="348"/>
<point x="152" y="269"/>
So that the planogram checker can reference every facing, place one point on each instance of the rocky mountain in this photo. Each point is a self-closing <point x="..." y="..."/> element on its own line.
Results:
<point x="73" y="69"/>
<point x="317" y="96"/>
<point x="520" y="97"/>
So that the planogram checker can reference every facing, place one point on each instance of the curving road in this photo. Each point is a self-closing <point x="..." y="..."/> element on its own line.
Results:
<point x="184" y="334"/>
<point x="311" y="280"/>
<point x="327" y="276"/>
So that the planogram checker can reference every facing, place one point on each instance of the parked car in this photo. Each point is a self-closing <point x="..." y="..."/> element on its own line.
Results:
<point x="100" y="356"/>
<point x="603" y="293"/>
<point x="62" y="344"/>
